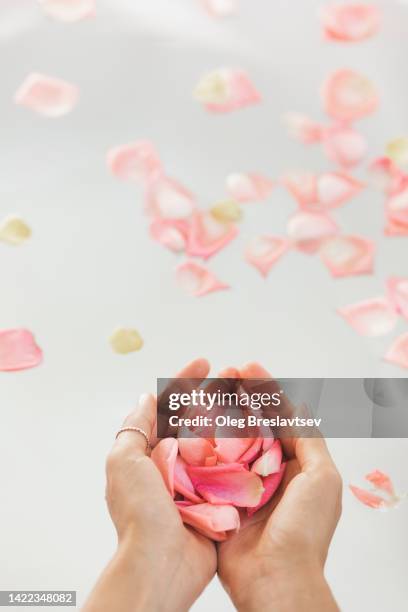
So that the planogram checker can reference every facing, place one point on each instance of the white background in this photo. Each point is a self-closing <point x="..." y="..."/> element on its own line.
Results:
<point x="91" y="265"/>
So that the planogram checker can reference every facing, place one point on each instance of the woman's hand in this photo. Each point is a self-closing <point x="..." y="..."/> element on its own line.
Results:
<point x="276" y="560"/>
<point x="160" y="564"/>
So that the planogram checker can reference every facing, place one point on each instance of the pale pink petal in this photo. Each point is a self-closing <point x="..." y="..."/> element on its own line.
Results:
<point x="385" y="175"/>
<point x="302" y="186"/>
<point x="248" y="187"/>
<point x="264" y="251"/>
<point x="197" y="280"/>
<point x="302" y="128"/>
<point x="398" y="352"/>
<point x="253" y="451"/>
<point x="172" y="233"/>
<point x="229" y="450"/>
<point x="207" y="236"/>
<point x="213" y="521"/>
<point x="308" y="230"/>
<point x="18" y="350"/>
<point x="168" y="199"/>
<point x="195" y="451"/>
<point x="375" y="317"/>
<point x="271" y="484"/>
<point x="270" y="461"/>
<point x="182" y="482"/>
<point x="136" y="162"/>
<point x="398" y="294"/>
<point x="226" y="90"/>
<point x="350" y="22"/>
<point x="397" y="205"/>
<point x="336" y="188"/>
<point x="227" y="484"/>
<point x="68" y="11"/>
<point x="381" y="481"/>
<point x="220" y="8"/>
<point x="46" y="95"/>
<point x="367" y="498"/>
<point x="397" y="151"/>
<point x="348" y="96"/>
<point x="395" y="228"/>
<point x="164" y="456"/>
<point x="345" y="146"/>
<point x="268" y="442"/>
<point x="348" y="255"/>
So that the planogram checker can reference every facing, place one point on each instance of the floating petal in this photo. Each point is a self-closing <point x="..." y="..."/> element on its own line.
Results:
<point x="136" y="162"/>
<point x="397" y="205"/>
<point x="375" y="317"/>
<point x="302" y="128"/>
<point x="336" y="188"/>
<point x="14" y="231"/>
<point x="227" y="484"/>
<point x="381" y="481"/>
<point x="164" y="455"/>
<point x="398" y="294"/>
<point x="197" y="280"/>
<point x="271" y="484"/>
<point x="68" y="11"/>
<point x="168" y="199"/>
<point x="345" y="146"/>
<point x="47" y="96"/>
<point x="220" y="8"/>
<point x="226" y="90"/>
<point x="264" y="251"/>
<point x="302" y="186"/>
<point x="226" y="212"/>
<point x="348" y="255"/>
<point x="308" y="230"/>
<point x="350" y="22"/>
<point x="398" y="352"/>
<point x="397" y="151"/>
<point x="207" y="236"/>
<point x="124" y="341"/>
<point x="172" y="233"/>
<point x="18" y="350"/>
<point x="367" y="498"/>
<point x="348" y="96"/>
<point x="211" y="520"/>
<point x="248" y="187"/>
<point x="385" y="175"/>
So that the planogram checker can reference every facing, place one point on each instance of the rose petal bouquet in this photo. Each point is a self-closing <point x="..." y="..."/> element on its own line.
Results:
<point x="212" y="479"/>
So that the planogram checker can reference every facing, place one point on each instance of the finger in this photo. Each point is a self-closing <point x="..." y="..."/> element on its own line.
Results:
<point x="143" y="417"/>
<point x="312" y="453"/>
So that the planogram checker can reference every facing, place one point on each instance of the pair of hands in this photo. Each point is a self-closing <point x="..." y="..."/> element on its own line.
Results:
<point x="275" y="561"/>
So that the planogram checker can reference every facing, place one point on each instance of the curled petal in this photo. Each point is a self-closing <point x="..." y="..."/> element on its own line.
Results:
<point x="226" y="90"/>
<point x="220" y="8"/>
<point x="68" y="11"/>
<point x="308" y="230"/>
<point x="227" y="484"/>
<point x="270" y="461"/>
<point x="207" y="236"/>
<point x="248" y="187"/>
<point x="367" y="498"/>
<point x="195" y="451"/>
<point x="381" y="481"/>
<point x="164" y="455"/>
<point x="124" y="341"/>
<point x="348" y="255"/>
<point x="397" y="205"/>
<point x="395" y="228"/>
<point x="18" y="350"/>
<point x="397" y="151"/>
<point x="375" y="317"/>
<point x="137" y="162"/>
<point x="168" y="199"/>
<point x="264" y="251"/>
<point x="385" y="175"/>
<point x="229" y="450"/>
<point x="302" y="128"/>
<point x="398" y="352"/>
<point x="398" y="294"/>
<point x="211" y="520"/>
<point x="271" y="484"/>
<point x="197" y="280"/>
<point x="172" y="233"/>
<point x="302" y="186"/>
<point x="350" y="22"/>
<point x="345" y="146"/>
<point x="348" y="96"/>
<point x="14" y="231"/>
<point x="336" y="188"/>
<point x="182" y="482"/>
<point x="253" y="451"/>
<point x="226" y="212"/>
<point x="46" y="95"/>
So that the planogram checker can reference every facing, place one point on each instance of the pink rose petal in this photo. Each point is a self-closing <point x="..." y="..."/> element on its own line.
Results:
<point x="253" y="451"/>
<point x="271" y="484"/>
<point x="225" y="90"/>
<point x="270" y="461"/>
<point x="207" y="236"/>
<point x="302" y="186"/>
<point x="302" y="128"/>
<point x="182" y="482"/>
<point x="197" y="280"/>
<point x="211" y="520"/>
<point x="195" y="451"/>
<point x="398" y="352"/>
<point x="46" y="95"/>
<point x="220" y="8"/>
<point x="308" y="230"/>
<point x="397" y="206"/>
<point x="68" y="11"/>
<point x="367" y="498"/>
<point x="18" y="350"/>
<point x="227" y="484"/>
<point x="374" y="317"/>
<point x="350" y="22"/>
<point x="264" y="251"/>
<point x="398" y="294"/>
<point x="248" y="187"/>
<point x="229" y="450"/>
<point x="345" y="146"/>
<point x="395" y="228"/>
<point x="136" y="162"/>
<point x="381" y="481"/>
<point x="336" y="188"/>
<point x="385" y="175"/>
<point x="348" y="96"/>
<point x="164" y="456"/>
<point x="348" y="255"/>
<point x="168" y="199"/>
<point x="171" y="233"/>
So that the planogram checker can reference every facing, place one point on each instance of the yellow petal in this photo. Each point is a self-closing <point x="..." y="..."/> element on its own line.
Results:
<point x="226" y="211"/>
<point x="397" y="150"/>
<point x="124" y="341"/>
<point x="14" y="231"/>
<point x="212" y="89"/>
